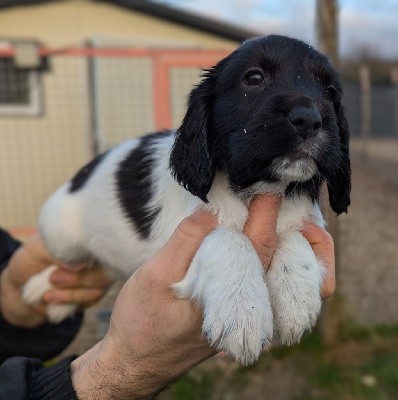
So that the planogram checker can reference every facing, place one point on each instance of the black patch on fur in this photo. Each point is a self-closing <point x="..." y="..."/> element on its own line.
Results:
<point x="134" y="186"/>
<point x="82" y="176"/>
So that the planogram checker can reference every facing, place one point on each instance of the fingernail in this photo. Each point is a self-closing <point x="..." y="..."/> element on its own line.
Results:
<point x="57" y="278"/>
<point x="74" y="267"/>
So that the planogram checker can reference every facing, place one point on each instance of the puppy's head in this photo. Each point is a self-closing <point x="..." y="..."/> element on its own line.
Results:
<point x="269" y="112"/>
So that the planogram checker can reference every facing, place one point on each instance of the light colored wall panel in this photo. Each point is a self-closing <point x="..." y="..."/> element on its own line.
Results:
<point x="39" y="153"/>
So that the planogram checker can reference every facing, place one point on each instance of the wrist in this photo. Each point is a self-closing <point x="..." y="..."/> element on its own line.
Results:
<point x="13" y="309"/>
<point x="109" y="370"/>
<point x="104" y="373"/>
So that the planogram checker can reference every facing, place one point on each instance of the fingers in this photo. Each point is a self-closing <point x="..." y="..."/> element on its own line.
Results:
<point x="323" y="247"/>
<point x="83" y="297"/>
<point x="260" y="227"/>
<point x="80" y="287"/>
<point x="88" y="278"/>
<point x="75" y="267"/>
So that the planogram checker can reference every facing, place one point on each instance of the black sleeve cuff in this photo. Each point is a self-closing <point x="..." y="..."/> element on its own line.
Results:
<point x="43" y="342"/>
<point x="8" y="245"/>
<point x="53" y="383"/>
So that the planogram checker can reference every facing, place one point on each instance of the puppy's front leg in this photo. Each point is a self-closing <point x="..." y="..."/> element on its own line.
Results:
<point x="226" y="276"/>
<point x="294" y="282"/>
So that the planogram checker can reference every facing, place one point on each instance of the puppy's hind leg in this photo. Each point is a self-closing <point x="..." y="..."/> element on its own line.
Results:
<point x="226" y="277"/>
<point x="61" y="227"/>
<point x="34" y="290"/>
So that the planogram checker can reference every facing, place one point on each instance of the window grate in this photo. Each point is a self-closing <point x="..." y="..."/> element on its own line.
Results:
<point x="14" y="84"/>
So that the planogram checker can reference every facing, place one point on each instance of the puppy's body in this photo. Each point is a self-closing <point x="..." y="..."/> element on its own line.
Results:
<point x="267" y="119"/>
<point x="109" y="225"/>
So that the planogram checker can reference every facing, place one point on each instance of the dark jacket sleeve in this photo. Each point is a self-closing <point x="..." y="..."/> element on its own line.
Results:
<point x="42" y="342"/>
<point x="22" y="378"/>
<point x="7" y="247"/>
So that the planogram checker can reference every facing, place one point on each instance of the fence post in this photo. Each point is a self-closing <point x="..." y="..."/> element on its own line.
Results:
<point x="327" y="37"/>
<point x="96" y="143"/>
<point x="326" y="25"/>
<point x="394" y="80"/>
<point x="364" y="78"/>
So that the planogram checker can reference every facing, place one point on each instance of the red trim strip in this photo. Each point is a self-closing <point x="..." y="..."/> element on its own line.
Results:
<point x="122" y="52"/>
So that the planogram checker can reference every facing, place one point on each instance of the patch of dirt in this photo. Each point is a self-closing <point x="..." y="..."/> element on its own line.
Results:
<point x="369" y="238"/>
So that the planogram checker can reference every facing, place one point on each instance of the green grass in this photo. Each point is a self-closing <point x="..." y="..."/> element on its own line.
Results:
<point x="362" y="365"/>
<point x="332" y="381"/>
<point x="193" y="386"/>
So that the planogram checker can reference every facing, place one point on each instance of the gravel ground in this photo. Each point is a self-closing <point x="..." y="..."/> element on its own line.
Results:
<point x="368" y="237"/>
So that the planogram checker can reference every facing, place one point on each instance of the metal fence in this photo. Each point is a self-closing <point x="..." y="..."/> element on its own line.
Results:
<point x="61" y="108"/>
<point x="383" y="108"/>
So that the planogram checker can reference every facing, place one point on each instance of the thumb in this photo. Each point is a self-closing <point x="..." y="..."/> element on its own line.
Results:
<point x="186" y="240"/>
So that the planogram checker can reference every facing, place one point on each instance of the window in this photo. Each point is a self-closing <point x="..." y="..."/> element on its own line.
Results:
<point x="20" y="92"/>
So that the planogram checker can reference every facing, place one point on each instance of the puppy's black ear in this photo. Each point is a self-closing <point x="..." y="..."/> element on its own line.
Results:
<point x="339" y="184"/>
<point x="190" y="159"/>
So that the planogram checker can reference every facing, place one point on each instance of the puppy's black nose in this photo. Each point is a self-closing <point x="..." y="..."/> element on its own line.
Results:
<point x="306" y="120"/>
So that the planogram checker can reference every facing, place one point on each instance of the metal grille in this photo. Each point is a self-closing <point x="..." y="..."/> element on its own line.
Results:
<point x="14" y="83"/>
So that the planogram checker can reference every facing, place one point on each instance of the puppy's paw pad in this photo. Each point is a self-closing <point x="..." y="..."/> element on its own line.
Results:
<point x="35" y="287"/>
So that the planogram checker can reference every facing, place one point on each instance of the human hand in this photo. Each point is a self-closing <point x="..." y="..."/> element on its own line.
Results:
<point x="262" y="232"/>
<point x="154" y="337"/>
<point x="76" y="284"/>
<point x="322" y="244"/>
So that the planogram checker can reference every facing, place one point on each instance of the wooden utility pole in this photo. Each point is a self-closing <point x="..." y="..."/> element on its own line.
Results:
<point x="327" y="38"/>
<point x="365" y="84"/>
<point x="394" y="80"/>
<point x="326" y="25"/>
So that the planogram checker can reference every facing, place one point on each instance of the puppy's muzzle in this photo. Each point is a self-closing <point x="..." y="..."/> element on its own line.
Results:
<point x="307" y="121"/>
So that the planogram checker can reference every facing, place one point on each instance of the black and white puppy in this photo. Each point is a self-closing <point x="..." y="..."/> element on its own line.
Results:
<point x="266" y="119"/>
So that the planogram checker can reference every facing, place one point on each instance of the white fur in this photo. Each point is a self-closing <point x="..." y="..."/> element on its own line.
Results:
<point x="241" y="307"/>
<point x="226" y="276"/>
<point x="37" y="286"/>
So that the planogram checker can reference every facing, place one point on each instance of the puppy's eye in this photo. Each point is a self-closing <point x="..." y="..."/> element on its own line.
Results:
<point x="330" y="92"/>
<point x="254" y="78"/>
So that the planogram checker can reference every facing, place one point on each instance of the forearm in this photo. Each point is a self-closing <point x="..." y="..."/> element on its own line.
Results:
<point x="104" y="373"/>
<point x="99" y="376"/>
<point x="12" y="307"/>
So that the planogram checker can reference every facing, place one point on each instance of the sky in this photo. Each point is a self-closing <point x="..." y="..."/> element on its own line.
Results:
<point x="364" y="24"/>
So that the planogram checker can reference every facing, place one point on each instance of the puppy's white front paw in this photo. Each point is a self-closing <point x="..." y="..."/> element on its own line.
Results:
<point x="294" y="282"/>
<point x="226" y="277"/>
<point x="34" y="290"/>
<point x="239" y="323"/>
